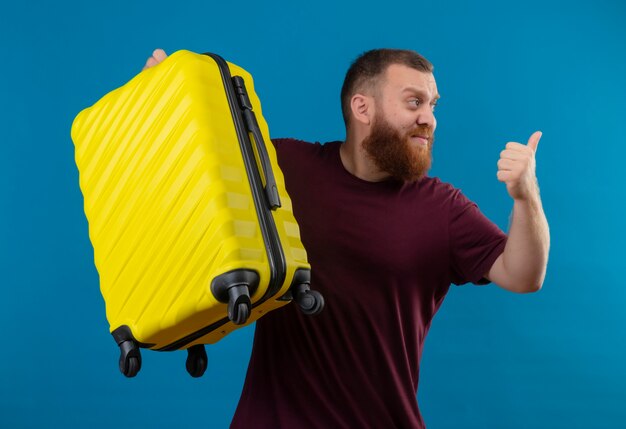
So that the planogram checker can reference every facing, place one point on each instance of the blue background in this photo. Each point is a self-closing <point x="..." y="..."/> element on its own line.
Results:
<point x="493" y="359"/>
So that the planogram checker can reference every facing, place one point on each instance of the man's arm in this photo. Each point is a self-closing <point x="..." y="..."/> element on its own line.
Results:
<point x="522" y="266"/>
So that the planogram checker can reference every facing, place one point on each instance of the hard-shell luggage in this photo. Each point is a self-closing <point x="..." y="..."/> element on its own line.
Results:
<point x="192" y="229"/>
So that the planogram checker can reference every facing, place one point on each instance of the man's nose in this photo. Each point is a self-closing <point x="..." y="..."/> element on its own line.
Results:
<point x="427" y="117"/>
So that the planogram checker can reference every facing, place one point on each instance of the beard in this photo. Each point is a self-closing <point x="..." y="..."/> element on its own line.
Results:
<point x="396" y="154"/>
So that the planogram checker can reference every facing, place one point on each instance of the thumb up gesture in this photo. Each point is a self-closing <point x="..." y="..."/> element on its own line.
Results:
<point x="516" y="168"/>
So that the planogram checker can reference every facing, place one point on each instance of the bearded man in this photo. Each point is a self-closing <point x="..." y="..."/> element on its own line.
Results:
<point x="385" y="241"/>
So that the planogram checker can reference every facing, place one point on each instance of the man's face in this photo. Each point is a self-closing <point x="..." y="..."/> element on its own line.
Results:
<point x="402" y="133"/>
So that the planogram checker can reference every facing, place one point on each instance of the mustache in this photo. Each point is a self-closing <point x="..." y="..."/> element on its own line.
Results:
<point x="421" y="130"/>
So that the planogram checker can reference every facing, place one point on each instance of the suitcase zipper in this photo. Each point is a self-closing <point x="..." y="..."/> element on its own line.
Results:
<point x="264" y="199"/>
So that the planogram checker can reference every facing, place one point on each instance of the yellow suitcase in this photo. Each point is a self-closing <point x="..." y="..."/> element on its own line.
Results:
<point x="192" y="229"/>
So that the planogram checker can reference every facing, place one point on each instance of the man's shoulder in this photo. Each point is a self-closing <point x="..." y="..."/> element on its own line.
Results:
<point x="436" y="184"/>
<point x="443" y="190"/>
<point x="290" y="142"/>
<point x="297" y="147"/>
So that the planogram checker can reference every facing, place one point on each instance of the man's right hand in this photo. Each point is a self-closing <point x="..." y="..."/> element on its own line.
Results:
<point x="157" y="56"/>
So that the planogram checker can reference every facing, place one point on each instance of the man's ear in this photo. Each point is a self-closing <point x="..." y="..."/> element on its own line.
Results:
<point x="362" y="108"/>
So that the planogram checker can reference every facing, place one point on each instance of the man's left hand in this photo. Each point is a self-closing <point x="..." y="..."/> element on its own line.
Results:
<point x="516" y="168"/>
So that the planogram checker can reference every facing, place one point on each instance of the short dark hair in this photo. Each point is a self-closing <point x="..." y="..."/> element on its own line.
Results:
<point x="366" y="71"/>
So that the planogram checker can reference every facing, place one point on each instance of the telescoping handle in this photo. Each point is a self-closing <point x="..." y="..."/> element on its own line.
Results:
<point x="271" y="192"/>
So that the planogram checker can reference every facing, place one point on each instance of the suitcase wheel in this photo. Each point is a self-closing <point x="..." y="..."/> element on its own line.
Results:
<point x="133" y="367"/>
<point x="235" y="288"/>
<point x="239" y="304"/>
<point x="130" y="358"/>
<point x="239" y="313"/>
<point x="196" y="360"/>
<point x="311" y="302"/>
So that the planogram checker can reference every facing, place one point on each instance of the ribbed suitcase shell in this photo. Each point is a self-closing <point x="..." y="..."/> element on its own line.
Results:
<point x="169" y="204"/>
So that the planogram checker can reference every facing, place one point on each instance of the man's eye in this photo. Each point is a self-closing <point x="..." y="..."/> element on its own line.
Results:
<point x="417" y="103"/>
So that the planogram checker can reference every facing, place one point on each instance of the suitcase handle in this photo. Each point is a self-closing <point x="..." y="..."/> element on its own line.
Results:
<point x="271" y="191"/>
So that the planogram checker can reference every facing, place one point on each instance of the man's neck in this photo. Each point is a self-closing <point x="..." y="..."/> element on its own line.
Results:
<point x="356" y="161"/>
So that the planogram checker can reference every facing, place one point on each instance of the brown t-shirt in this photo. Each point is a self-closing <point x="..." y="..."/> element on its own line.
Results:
<point x="383" y="255"/>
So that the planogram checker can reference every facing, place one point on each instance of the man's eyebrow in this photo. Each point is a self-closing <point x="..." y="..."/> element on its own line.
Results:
<point x="419" y="92"/>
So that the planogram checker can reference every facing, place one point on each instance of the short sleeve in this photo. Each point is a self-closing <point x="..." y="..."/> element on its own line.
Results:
<point x="285" y="152"/>
<point x="475" y="242"/>
<point x="290" y="151"/>
<point x="279" y="144"/>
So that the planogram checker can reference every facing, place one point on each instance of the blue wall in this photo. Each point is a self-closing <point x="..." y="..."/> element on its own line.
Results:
<point x="493" y="359"/>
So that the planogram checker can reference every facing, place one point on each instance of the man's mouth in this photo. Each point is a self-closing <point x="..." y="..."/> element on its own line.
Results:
<point x="420" y="139"/>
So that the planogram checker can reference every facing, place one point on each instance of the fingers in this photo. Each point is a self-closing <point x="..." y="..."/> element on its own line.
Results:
<point x="504" y="176"/>
<point x="158" y="55"/>
<point x="506" y="164"/>
<point x="515" y="153"/>
<point x="515" y="159"/>
<point x="150" y="63"/>
<point x="514" y="150"/>
<point x="533" y="141"/>
<point x="516" y="167"/>
<point x="516" y="146"/>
